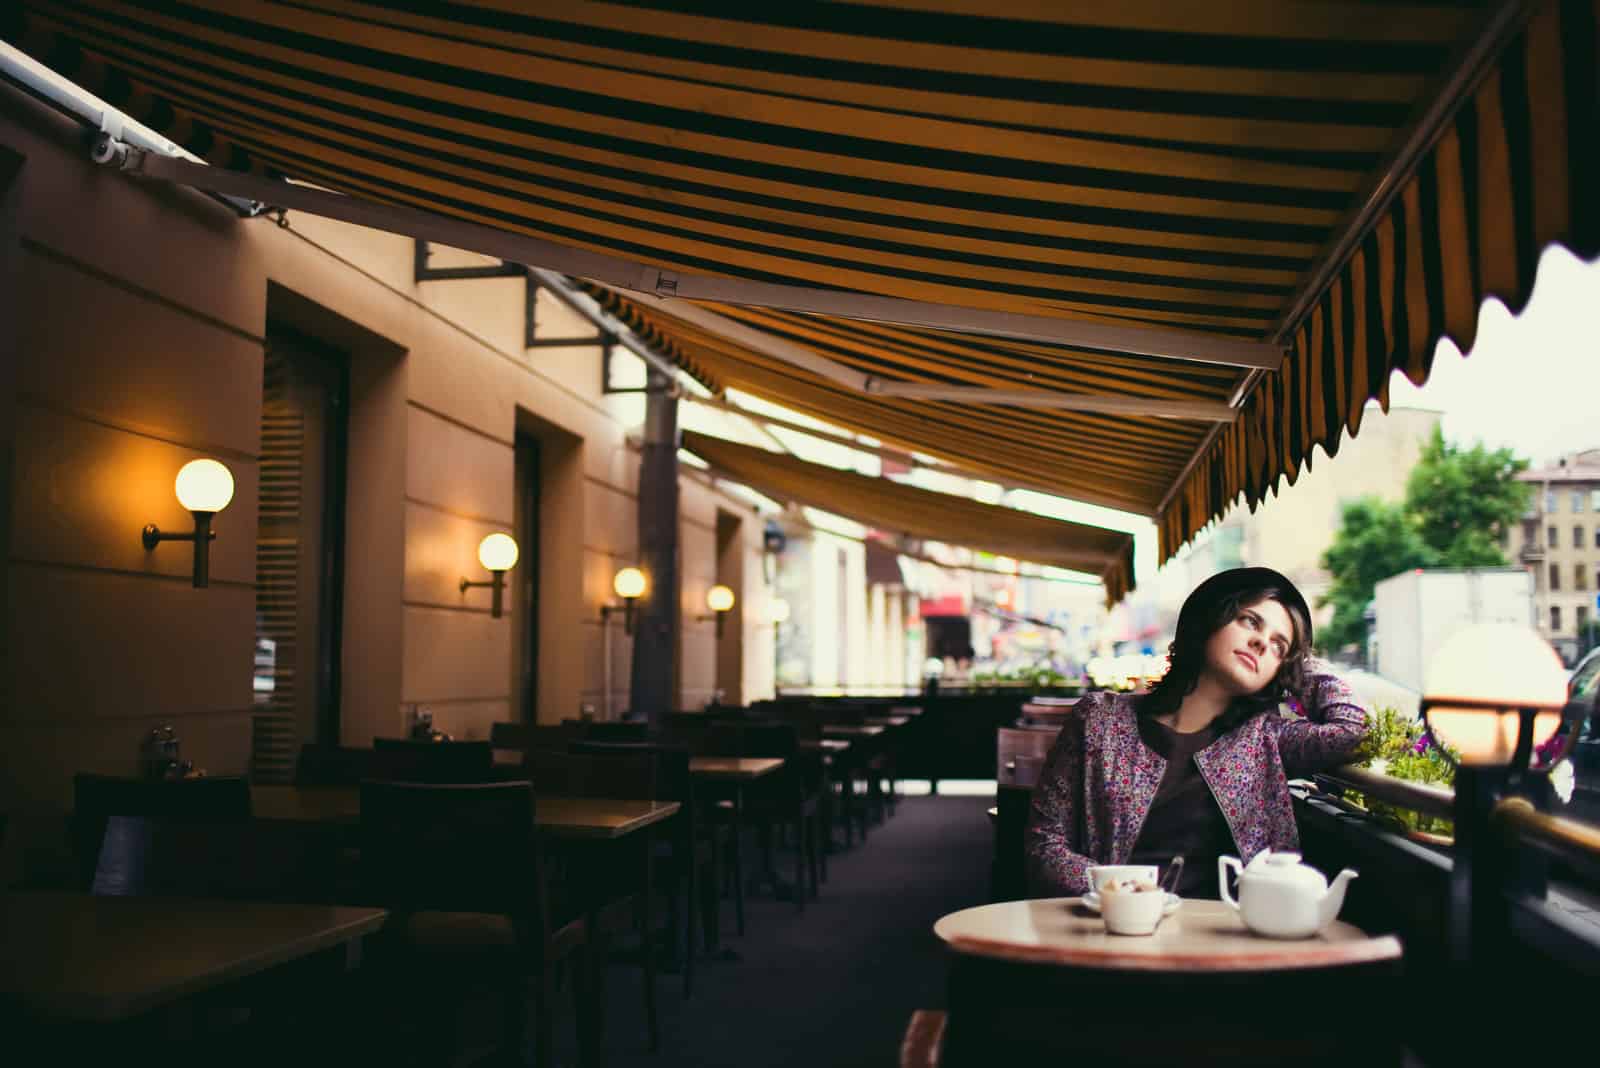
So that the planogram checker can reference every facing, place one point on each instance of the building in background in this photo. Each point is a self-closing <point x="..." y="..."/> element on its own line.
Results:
<point x="1559" y="542"/>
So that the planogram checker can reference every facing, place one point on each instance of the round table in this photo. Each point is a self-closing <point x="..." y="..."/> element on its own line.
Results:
<point x="1042" y="979"/>
<point x="1202" y="936"/>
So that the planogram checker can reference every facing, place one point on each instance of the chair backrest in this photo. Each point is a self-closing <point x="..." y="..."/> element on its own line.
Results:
<point x="753" y="740"/>
<point x="521" y="737"/>
<point x="626" y="731"/>
<point x="672" y="779"/>
<point x="418" y="760"/>
<point x="156" y="835"/>
<point x="332" y="765"/>
<point x="451" y="847"/>
<point x="627" y="776"/>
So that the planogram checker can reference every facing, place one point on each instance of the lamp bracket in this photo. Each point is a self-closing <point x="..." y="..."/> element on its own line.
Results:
<point x="153" y="535"/>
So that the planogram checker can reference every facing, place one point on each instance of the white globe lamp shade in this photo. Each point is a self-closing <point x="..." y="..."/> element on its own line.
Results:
<point x="719" y="598"/>
<point x="629" y="583"/>
<point x="204" y="486"/>
<point x="780" y="610"/>
<point x="1481" y="679"/>
<point x="498" y="552"/>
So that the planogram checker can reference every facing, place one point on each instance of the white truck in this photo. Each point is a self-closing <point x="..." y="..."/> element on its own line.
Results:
<point x="1417" y="610"/>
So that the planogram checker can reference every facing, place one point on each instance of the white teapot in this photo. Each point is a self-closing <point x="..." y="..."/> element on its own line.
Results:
<point x="1280" y="897"/>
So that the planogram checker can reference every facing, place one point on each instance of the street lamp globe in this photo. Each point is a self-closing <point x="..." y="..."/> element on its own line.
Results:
<point x="1485" y="682"/>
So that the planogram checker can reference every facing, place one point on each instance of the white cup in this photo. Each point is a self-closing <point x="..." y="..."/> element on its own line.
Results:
<point x="1100" y="874"/>
<point x="1127" y="912"/>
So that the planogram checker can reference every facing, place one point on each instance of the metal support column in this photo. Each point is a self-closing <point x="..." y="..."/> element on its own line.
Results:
<point x="654" y="685"/>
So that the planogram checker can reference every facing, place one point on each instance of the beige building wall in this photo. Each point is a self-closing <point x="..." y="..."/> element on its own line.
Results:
<point x="139" y="314"/>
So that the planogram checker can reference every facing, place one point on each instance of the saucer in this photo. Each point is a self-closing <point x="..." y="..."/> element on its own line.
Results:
<point x="1091" y="901"/>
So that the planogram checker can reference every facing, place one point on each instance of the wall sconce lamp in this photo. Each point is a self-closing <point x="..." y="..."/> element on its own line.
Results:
<point x="629" y="584"/>
<point x="204" y="487"/>
<point x="1492" y="695"/>
<point x="498" y="554"/>
<point x="720" y="600"/>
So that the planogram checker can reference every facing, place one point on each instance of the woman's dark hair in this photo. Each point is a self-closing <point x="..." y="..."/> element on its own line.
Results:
<point x="1208" y="611"/>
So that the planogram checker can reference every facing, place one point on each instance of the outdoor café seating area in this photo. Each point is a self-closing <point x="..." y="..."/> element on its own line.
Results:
<point x="617" y="892"/>
<point x="513" y="874"/>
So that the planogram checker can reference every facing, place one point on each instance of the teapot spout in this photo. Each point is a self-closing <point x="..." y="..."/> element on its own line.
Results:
<point x="1333" y="900"/>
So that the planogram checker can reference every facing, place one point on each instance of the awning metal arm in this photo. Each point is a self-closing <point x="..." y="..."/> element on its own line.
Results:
<point x="666" y="285"/>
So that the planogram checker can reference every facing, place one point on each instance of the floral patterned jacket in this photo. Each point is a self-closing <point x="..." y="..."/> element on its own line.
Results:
<point x="1097" y="784"/>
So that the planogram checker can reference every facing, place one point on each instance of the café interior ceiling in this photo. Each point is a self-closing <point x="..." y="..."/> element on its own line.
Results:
<point x="1288" y="199"/>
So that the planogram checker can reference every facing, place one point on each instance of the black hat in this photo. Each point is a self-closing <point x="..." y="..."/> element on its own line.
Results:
<point x="1197" y="609"/>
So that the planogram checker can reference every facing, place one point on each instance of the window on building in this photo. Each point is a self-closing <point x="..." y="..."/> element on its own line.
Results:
<point x="1553" y="537"/>
<point x="1577" y="537"/>
<point x="1580" y="618"/>
<point x="1555" y="576"/>
<point x="1580" y="577"/>
<point x="1594" y="500"/>
<point x="1550" y="501"/>
<point x="1577" y="500"/>
<point x="1555" y="619"/>
<point x="299" y="550"/>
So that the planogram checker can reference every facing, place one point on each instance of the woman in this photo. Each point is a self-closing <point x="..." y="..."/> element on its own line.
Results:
<point x="1197" y="767"/>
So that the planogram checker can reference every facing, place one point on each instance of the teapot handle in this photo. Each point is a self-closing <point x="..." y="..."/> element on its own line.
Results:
<point x="1223" y="864"/>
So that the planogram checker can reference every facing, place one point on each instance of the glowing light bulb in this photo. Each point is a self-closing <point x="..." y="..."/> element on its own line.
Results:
<point x="629" y="583"/>
<point x="204" y="486"/>
<point x="498" y="552"/>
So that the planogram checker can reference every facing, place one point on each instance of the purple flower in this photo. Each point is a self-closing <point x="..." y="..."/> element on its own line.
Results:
<point x="1421" y="746"/>
<point x="1548" y="751"/>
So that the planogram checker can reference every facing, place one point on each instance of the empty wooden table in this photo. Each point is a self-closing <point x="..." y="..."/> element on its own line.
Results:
<point x="853" y="730"/>
<point x="563" y="817"/>
<point x="1043" y="977"/>
<point x="107" y="959"/>
<point x="735" y="772"/>
<point x="733" y="769"/>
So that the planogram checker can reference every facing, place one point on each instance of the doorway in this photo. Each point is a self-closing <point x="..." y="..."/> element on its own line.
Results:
<point x="730" y="573"/>
<point x="299" y="550"/>
<point x="525" y="599"/>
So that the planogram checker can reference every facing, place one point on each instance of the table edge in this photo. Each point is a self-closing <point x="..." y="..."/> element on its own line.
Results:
<point x="115" y="1007"/>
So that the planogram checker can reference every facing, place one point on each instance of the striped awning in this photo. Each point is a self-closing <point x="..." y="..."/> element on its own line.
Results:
<point x="895" y="508"/>
<point x="1125" y="162"/>
<point x="1113" y="460"/>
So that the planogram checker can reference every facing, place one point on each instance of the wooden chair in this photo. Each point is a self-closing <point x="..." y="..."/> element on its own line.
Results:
<point x="923" y="1043"/>
<point x="141" y="836"/>
<point x="691" y="853"/>
<point x="625" y="777"/>
<point x="510" y="742"/>
<point x="419" y="760"/>
<point x="462" y="872"/>
<point x="779" y="798"/>
<point x="619" y="731"/>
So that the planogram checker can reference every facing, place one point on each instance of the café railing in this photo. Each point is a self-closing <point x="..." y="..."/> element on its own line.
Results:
<point x="1418" y="797"/>
<point x="1567" y="839"/>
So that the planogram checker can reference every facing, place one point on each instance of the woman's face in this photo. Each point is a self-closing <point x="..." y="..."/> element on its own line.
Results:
<point x="1245" y="654"/>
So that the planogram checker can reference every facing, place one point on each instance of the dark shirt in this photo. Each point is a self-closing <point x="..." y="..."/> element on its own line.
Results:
<point x="1184" y="819"/>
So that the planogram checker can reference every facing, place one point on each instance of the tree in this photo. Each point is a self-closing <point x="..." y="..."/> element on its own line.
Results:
<point x="1376" y="539"/>
<point x="1458" y="504"/>
<point x="1463" y="500"/>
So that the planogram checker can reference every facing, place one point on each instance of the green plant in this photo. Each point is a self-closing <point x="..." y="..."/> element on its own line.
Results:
<point x="1399" y="746"/>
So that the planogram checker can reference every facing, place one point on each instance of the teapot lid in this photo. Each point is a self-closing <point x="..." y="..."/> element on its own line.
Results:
<point x="1285" y="868"/>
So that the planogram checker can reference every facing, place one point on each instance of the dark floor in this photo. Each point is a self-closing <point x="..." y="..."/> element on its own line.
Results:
<point x="832" y="986"/>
